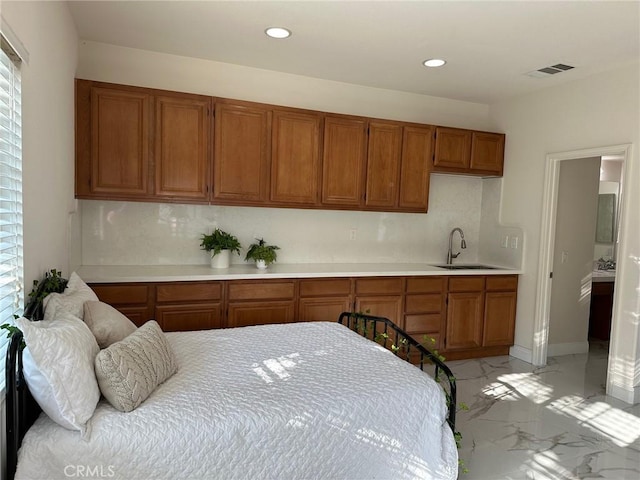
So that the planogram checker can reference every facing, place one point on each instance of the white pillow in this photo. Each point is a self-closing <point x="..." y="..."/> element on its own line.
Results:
<point x="106" y="323"/>
<point x="129" y="370"/>
<point x="70" y="301"/>
<point x="58" y="367"/>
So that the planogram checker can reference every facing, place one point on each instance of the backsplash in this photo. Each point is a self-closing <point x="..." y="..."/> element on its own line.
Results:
<point x="133" y="233"/>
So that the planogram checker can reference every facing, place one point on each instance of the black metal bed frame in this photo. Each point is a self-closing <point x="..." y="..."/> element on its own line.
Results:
<point x="21" y="408"/>
<point x="389" y="335"/>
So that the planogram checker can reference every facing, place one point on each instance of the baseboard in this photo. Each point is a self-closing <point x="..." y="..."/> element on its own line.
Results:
<point x="630" y="396"/>
<point x="559" y="349"/>
<point x="521" y="353"/>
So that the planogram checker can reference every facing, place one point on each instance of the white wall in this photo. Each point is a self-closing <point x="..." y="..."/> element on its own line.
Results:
<point x="601" y="110"/>
<point x="47" y="31"/>
<point x="130" y="233"/>
<point x="141" y="237"/>
<point x="110" y="63"/>
<point x="573" y="256"/>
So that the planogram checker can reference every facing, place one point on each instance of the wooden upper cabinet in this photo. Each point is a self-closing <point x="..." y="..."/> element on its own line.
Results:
<point x="383" y="164"/>
<point x="417" y="151"/>
<point x="241" y="158"/>
<point x="487" y="152"/>
<point x="183" y="129"/>
<point x="112" y="141"/>
<point x="453" y="149"/>
<point x="295" y="157"/>
<point x="468" y="152"/>
<point x="344" y="161"/>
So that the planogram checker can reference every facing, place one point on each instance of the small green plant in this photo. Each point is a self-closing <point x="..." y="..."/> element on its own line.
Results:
<point x="51" y="283"/>
<point x="220" y="240"/>
<point x="262" y="251"/>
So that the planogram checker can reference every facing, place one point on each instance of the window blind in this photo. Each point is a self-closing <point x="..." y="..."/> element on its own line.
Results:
<point x="11" y="255"/>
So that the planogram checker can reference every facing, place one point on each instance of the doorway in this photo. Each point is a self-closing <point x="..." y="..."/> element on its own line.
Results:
<point x="547" y="243"/>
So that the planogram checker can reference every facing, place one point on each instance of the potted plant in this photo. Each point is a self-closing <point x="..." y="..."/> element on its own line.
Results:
<point x="263" y="254"/>
<point x="220" y="244"/>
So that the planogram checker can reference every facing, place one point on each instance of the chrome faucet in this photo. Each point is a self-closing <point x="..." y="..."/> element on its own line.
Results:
<point x="463" y="244"/>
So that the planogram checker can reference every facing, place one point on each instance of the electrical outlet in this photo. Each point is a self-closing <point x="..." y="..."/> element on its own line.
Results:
<point x="564" y="257"/>
<point x="514" y="242"/>
<point x="353" y="234"/>
<point x="505" y="241"/>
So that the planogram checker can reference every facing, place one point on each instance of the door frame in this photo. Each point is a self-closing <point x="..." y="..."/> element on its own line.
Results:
<point x="547" y="240"/>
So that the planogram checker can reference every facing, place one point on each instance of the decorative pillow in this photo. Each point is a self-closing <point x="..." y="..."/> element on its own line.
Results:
<point x="106" y="323"/>
<point x="70" y="301"/>
<point x="129" y="370"/>
<point x="58" y="367"/>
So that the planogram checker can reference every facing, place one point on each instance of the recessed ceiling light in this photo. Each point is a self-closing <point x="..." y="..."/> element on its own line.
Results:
<point x="277" y="32"/>
<point x="434" y="62"/>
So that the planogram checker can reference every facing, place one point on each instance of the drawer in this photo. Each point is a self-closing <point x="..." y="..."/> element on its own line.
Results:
<point x="502" y="282"/>
<point x="127" y="294"/>
<point x="324" y="288"/>
<point x="188" y="292"/>
<point x="418" y="303"/>
<point x="378" y="286"/>
<point x="425" y="285"/>
<point x="466" y="284"/>
<point x="261" y="290"/>
<point x="428" y="322"/>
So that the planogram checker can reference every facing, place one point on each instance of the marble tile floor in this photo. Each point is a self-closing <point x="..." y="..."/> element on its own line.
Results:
<point x="545" y="423"/>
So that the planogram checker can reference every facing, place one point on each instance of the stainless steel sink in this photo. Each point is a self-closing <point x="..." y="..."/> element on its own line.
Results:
<point x="466" y="267"/>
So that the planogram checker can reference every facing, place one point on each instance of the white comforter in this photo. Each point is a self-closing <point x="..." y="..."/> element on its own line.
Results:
<point x="296" y="401"/>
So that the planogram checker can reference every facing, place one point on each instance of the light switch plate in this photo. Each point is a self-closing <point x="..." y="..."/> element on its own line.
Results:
<point x="505" y="241"/>
<point x="514" y="242"/>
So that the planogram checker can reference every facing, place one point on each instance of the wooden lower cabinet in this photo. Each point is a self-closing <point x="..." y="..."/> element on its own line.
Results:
<point x="199" y="316"/>
<point x="461" y="316"/>
<point x="499" y="312"/>
<point x="130" y="299"/>
<point x="381" y="297"/>
<point x="323" y="299"/>
<point x="189" y="306"/>
<point x="464" y="320"/>
<point x="424" y="310"/>
<point x="242" y="314"/>
<point x="388" y="306"/>
<point x="260" y="302"/>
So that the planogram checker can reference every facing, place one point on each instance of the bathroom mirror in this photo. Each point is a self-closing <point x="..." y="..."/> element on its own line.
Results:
<point x="606" y="218"/>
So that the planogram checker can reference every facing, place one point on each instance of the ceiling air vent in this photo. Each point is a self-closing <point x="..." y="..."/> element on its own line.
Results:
<point x="547" y="71"/>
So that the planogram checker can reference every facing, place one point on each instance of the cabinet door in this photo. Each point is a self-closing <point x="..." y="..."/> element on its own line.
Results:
<point x="499" y="318"/>
<point x="119" y="146"/>
<point x="388" y="306"/>
<point x="241" y="159"/>
<point x="182" y="134"/>
<point x="326" y="309"/>
<point x="295" y="157"/>
<point x="383" y="164"/>
<point x="464" y="320"/>
<point x="487" y="152"/>
<point x="184" y="317"/>
<point x="242" y="314"/>
<point x="417" y="151"/>
<point x="344" y="159"/>
<point x="453" y="149"/>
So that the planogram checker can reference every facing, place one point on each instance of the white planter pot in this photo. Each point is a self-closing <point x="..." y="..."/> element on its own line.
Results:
<point x="261" y="264"/>
<point x="221" y="260"/>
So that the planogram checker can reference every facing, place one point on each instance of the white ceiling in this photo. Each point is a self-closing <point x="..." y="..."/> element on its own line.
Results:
<point x="489" y="46"/>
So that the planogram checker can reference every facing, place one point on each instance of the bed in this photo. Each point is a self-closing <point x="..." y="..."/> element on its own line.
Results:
<point x="309" y="400"/>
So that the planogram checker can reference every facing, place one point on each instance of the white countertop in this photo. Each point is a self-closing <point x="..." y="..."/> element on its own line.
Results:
<point x="180" y="273"/>
<point x="603" y="276"/>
